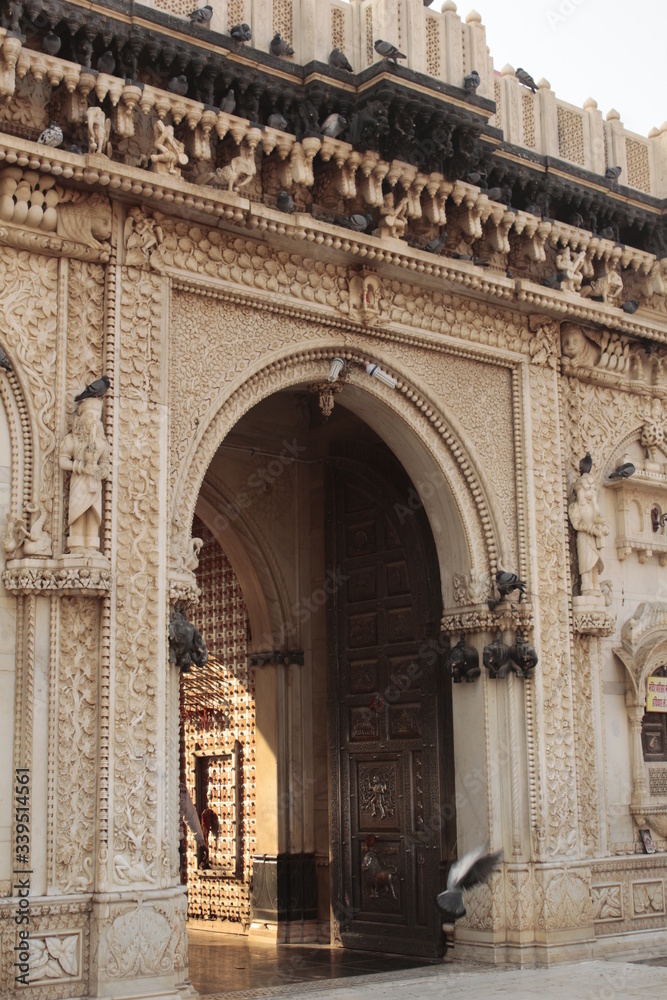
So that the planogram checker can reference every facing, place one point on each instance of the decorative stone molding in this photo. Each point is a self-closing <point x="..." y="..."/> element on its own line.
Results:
<point x="643" y="647"/>
<point x="84" y="576"/>
<point x="635" y="498"/>
<point x="506" y="617"/>
<point x="596" y="621"/>
<point x="183" y="589"/>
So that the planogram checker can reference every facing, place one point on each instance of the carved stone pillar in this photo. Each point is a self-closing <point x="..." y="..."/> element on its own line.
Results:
<point x="639" y="782"/>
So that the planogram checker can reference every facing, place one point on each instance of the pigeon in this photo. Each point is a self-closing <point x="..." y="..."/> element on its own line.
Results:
<point x="202" y="15"/>
<point x="507" y="583"/>
<point x="241" y="33"/>
<point x="178" y="85"/>
<point x="106" y="63"/>
<point x="388" y="51"/>
<point x="474" y="177"/>
<point x="228" y="102"/>
<point x="471" y="82"/>
<point x="284" y="203"/>
<point x="509" y="272"/>
<point x="552" y="281"/>
<point x="526" y="79"/>
<point x="586" y="464"/>
<point x="359" y="223"/>
<point x="279" y="47"/>
<point x="577" y="220"/>
<point x="95" y="390"/>
<point x="86" y="53"/>
<point x="493" y="194"/>
<point x="52" y="135"/>
<point x="4" y="361"/>
<point x="474" y="867"/>
<point x="338" y="60"/>
<point x="631" y="306"/>
<point x="51" y="43"/>
<point x="74" y="149"/>
<point x="436" y="245"/>
<point x="623" y="471"/>
<point x="334" y="125"/>
<point x="276" y="120"/>
<point x="613" y="173"/>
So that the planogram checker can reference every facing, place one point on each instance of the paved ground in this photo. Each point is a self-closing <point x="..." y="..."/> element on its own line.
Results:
<point x="226" y="968"/>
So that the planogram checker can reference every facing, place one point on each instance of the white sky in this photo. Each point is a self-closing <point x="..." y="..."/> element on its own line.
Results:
<point x="612" y="50"/>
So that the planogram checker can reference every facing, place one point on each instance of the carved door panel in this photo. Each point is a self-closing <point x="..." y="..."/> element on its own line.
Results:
<point x="386" y="697"/>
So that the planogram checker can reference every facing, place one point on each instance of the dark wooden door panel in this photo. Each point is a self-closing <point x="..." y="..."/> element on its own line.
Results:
<point x="386" y="733"/>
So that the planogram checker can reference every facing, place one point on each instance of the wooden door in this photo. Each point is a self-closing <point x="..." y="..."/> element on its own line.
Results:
<point x="390" y="715"/>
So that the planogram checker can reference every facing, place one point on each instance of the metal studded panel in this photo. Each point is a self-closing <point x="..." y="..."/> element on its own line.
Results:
<point x="219" y="728"/>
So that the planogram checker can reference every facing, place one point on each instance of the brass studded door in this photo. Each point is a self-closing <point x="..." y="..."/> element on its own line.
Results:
<point x="390" y="714"/>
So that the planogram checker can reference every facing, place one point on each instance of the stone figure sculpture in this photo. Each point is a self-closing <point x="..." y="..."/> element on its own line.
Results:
<point x="84" y="453"/>
<point x="169" y="156"/>
<point x="591" y="528"/>
<point x="463" y="661"/>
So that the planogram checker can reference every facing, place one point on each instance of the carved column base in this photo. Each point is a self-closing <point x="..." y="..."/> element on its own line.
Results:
<point x="591" y="616"/>
<point x="139" y="946"/>
<point x="74" y="573"/>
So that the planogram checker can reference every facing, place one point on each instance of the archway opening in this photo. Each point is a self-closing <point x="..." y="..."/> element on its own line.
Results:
<point x="318" y="740"/>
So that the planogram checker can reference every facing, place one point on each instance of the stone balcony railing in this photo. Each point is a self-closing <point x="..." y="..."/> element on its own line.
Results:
<point x="440" y="44"/>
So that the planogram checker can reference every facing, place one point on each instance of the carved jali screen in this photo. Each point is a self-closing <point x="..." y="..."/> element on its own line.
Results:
<point x="390" y="715"/>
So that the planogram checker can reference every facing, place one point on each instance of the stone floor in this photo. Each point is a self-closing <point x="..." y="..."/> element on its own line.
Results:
<point x="225" y="967"/>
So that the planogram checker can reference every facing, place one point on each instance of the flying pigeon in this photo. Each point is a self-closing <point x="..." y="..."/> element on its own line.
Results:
<point x="4" y="361"/>
<point x="359" y="223"/>
<point x="474" y="867"/>
<point x="95" y="390"/>
<point x="228" y="102"/>
<point x="471" y="82"/>
<point x="586" y="464"/>
<point x="51" y="43"/>
<point x="52" y="135"/>
<point x="178" y="85"/>
<point x="334" y="125"/>
<point x="279" y="47"/>
<point x="276" y="120"/>
<point x="631" y="306"/>
<point x="436" y="245"/>
<point x="388" y="51"/>
<point x="106" y="63"/>
<point x="526" y="79"/>
<point x="241" y="33"/>
<point x="507" y="583"/>
<point x="284" y="203"/>
<point x="338" y="60"/>
<point x="613" y="173"/>
<point x="623" y="471"/>
<point x="202" y="15"/>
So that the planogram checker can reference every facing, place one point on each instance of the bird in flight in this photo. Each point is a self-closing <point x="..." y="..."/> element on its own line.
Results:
<point x="473" y="868"/>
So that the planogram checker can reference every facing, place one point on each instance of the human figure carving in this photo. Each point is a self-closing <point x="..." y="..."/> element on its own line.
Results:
<point x="571" y="268"/>
<point x="591" y="528"/>
<point x="84" y="453"/>
<point x="170" y="155"/>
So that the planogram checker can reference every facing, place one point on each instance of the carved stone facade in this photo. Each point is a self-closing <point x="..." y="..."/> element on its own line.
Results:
<point x="158" y="255"/>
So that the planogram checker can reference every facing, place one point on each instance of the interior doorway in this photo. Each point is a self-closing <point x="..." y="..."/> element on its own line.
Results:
<point x="323" y="735"/>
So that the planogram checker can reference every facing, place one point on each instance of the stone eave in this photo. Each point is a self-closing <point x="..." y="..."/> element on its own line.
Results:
<point x="212" y="207"/>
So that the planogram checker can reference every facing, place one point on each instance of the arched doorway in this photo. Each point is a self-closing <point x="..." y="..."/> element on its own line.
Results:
<point x="276" y="500"/>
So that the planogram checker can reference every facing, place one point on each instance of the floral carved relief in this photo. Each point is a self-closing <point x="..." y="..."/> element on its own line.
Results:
<point x="77" y="744"/>
<point x="140" y="658"/>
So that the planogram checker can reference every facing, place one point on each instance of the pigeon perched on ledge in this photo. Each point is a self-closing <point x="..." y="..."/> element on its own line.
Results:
<point x="178" y="85"/>
<point x="388" y="51"/>
<point x="436" y="245"/>
<point x="473" y="868"/>
<point x="241" y="33"/>
<point x="279" y="46"/>
<point x="334" y="125"/>
<point x="95" y="390"/>
<point x="276" y="120"/>
<point x="284" y="203"/>
<point x="52" y="135"/>
<point x="202" y="15"/>
<point x="359" y="223"/>
<point x="471" y="82"/>
<point x="106" y="63"/>
<point x="338" y="60"/>
<point x="585" y="464"/>
<point x="51" y="43"/>
<point x="623" y="471"/>
<point x="613" y="173"/>
<point x="526" y="79"/>
<point x="631" y="306"/>
<point x="4" y="361"/>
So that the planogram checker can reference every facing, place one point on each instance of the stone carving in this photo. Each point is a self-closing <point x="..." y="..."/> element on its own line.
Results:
<point x="496" y="657"/>
<point x="25" y="579"/>
<point x="463" y="661"/>
<point x="169" y="155"/>
<point x="523" y="656"/>
<point x="76" y="744"/>
<point x="654" y="432"/>
<point x="476" y="588"/>
<point x="607" y="902"/>
<point x="393" y="218"/>
<point x="236" y="174"/>
<point x="591" y="528"/>
<point x="570" y="269"/>
<point x="84" y="453"/>
<point x="84" y="218"/>
<point x="14" y="535"/>
<point x="146" y="939"/>
<point x="365" y="298"/>
<point x="594" y="622"/>
<point x="55" y="958"/>
<point x="505" y="617"/>
<point x="142" y="235"/>
<point x="192" y="555"/>
<point x="37" y="542"/>
<point x="607" y="287"/>
<point x="648" y="898"/>
<point x="186" y="645"/>
<point x="99" y="132"/>
<point x="577" y="348"/>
